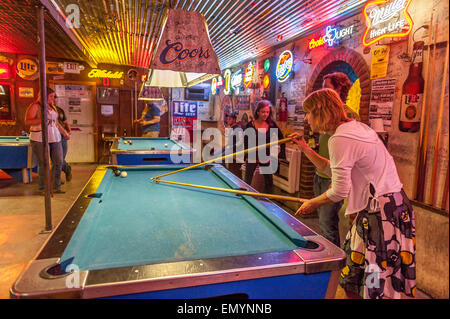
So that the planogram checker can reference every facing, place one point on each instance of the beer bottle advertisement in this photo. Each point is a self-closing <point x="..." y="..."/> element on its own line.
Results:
<point x="412" y="93"/>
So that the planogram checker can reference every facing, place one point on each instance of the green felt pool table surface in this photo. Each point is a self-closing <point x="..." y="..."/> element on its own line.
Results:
<point x="136" y="221"/>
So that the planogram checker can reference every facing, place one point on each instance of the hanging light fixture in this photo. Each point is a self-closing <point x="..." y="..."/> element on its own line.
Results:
<point x="184" y="55"/>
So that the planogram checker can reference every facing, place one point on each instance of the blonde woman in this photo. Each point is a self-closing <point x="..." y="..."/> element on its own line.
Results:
<point x="380" y="245"/>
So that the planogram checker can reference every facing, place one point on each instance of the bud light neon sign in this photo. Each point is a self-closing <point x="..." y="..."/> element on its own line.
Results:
<point x="284" y="65"/>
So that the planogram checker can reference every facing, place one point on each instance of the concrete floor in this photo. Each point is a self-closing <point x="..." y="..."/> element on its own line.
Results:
<point x="22" y="220"/>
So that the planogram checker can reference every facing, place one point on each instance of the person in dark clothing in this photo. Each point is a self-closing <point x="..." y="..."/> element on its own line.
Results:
<point x="260" y="131"/>
<point x="62" y="119"/>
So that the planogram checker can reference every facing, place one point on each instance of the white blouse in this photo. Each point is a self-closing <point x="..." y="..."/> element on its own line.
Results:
<point x="359" y="158"/>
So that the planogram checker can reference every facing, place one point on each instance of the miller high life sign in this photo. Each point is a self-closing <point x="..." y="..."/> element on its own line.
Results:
<point x="386" y="19"/>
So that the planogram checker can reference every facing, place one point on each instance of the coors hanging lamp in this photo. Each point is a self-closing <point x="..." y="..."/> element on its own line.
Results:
<point x="184" y="55"/>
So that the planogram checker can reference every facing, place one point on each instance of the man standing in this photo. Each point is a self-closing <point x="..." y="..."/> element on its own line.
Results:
<point x="150" y="121"/>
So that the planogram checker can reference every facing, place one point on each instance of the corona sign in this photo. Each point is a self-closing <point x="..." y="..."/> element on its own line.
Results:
<point x="284" y="65"/>
<point x="386" y="19"/>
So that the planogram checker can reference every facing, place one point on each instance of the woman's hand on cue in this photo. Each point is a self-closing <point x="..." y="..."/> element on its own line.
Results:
<point x="307" y="208"/>
<point x="299" y="140"/>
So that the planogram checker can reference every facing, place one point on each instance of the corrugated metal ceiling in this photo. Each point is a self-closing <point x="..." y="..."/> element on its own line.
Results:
<point x="125" y="31"/>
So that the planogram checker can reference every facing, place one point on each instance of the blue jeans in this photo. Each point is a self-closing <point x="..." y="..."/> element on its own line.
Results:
<point x="65" y="166"/>
<point x="328" y="214"/>
<point x="56" y="156"/>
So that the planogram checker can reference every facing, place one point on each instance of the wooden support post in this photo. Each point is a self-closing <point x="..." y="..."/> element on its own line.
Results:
<point x="43" y="88"/>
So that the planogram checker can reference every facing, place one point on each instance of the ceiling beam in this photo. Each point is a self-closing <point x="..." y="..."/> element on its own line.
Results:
<point x="76" y="40"/>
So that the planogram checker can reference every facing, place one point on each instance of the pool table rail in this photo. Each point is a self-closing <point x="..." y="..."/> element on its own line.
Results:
<point x="34" y="283"/>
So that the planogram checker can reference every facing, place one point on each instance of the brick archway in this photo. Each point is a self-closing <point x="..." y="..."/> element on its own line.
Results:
<point x="356" y="61"/>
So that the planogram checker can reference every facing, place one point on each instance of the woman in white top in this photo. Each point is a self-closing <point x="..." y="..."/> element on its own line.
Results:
<point x="380" y="245"/>
<point x="33" y="118"/>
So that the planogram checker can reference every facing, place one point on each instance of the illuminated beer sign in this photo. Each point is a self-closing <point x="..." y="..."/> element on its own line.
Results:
<point x="332" y="36"/>
<point x="236" y="81"/>
<point x="227" y="79"/>
<point x="4" y="70"/>
<point x="96" y="73"/>
<point x="284" y="65"/>
<point x="249" y="74"/>
<point x="214" y="86"/>
<point x="27" y="69"/>
<point x="386" y="19"/>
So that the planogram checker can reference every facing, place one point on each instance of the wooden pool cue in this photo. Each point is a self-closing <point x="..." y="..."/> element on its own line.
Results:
<point x="226" y="156"/>
<point x="445" y="193"/>
<point x="438" y="130"/>
<point x="419" y="163"/>
<point x="272" y="196"/>
<point x="424" y="155"/>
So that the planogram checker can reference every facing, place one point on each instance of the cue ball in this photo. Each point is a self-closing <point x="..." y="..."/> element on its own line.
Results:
<point x="17" y="139"/>
<point x="165" y="145"/>
<point x="123" y="174"/>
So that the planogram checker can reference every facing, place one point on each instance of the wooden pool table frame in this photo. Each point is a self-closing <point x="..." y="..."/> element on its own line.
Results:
<point x="36" y="282"/>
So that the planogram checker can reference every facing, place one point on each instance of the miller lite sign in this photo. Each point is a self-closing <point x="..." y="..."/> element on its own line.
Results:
<point x="386" y="19"/>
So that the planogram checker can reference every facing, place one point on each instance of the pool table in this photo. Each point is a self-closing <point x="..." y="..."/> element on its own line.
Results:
<point x="131" y="237"/>
<point x="150" y="151"/>
<point x="16" y="157"/>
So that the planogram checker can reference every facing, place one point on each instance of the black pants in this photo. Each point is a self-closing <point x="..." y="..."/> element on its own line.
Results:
<point x="268" y="178"/>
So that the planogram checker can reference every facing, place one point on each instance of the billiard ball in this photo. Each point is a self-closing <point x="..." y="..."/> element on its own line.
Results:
<point x="124" y="174"/>
<point x="165" y="145"/>
<point x="17" y="139"/>
<point x="124" y="142"/>
<point x="117" y="172"/>
<point x="152" y="148"/>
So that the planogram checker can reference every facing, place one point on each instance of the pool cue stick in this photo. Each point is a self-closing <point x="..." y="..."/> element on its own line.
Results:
<point x="50" y="171"/>
<point x="445" y="194"/>
<point x="226" y="156"/>
<point x="438" y="130"/>
<point x="421" y="180"/>
<point x="420" y="150"/>
<point x="272" y="196"/>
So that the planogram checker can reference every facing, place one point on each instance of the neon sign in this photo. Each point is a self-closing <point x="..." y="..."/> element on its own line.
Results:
<point x="331" y="37"/>
<point x="214" y="86"/>
<point x="284" y="66"/>
<point x="236" y="80"/>
<point x="227" y="79"/>
<point x="266" y="65"/>
<point x="96" y="73"/>
<point x="249" y="74"/>
<point x="385" y="18"/>
<point x="4" y="71"/>
<point x="266" y="81"/>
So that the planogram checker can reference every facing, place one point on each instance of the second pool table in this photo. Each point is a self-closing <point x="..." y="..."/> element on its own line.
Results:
<point x="150" y="151"/>
<point x="130" y="237"/>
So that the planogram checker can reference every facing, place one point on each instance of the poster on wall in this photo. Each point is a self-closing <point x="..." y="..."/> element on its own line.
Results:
<point x="184" y="113"/>
<point x="243" y="102"/>
<point x="382" y="100"/>
<point x="380" y="61"/>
